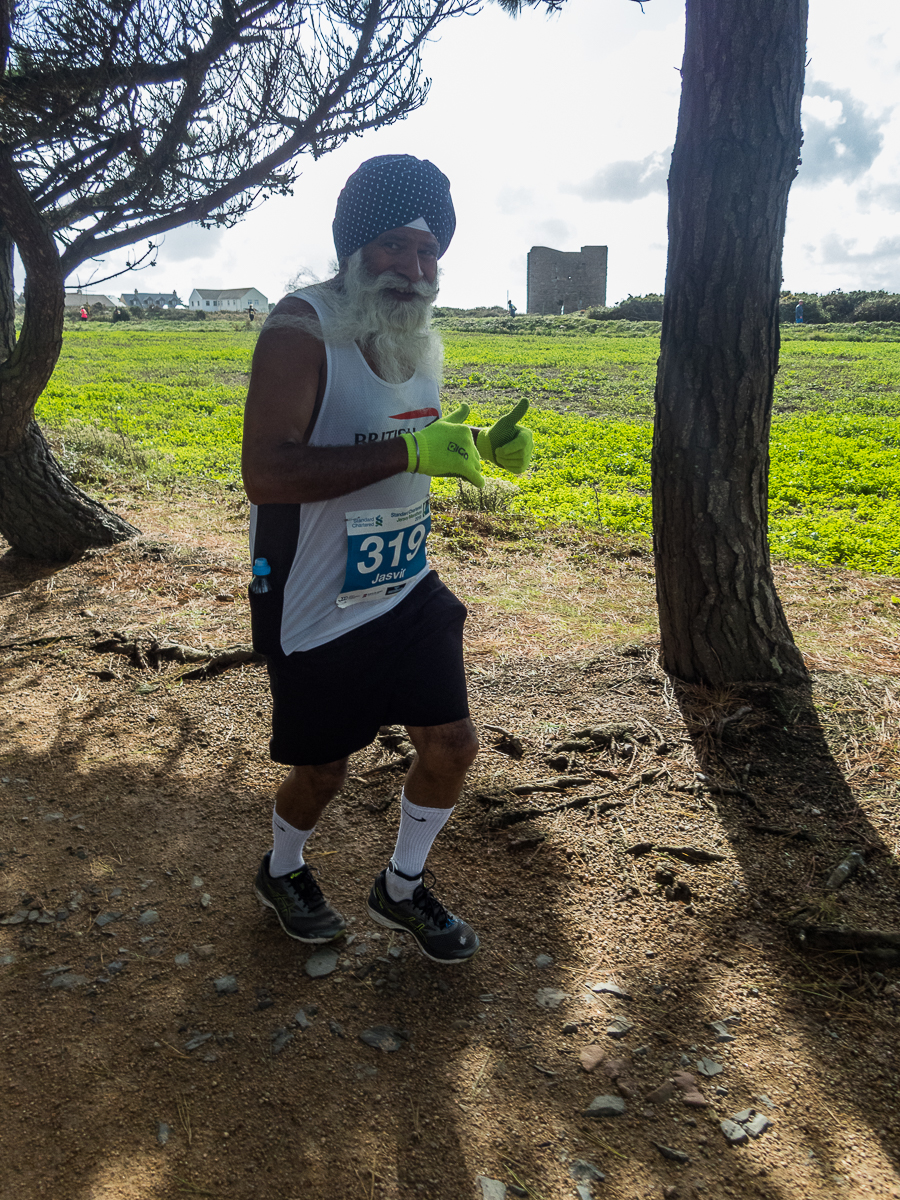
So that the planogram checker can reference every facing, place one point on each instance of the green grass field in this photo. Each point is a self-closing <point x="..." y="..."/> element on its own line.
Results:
<point x="166" y="402"/>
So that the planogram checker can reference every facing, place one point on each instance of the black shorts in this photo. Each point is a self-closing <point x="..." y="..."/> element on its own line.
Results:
<point x="403" y="668"/>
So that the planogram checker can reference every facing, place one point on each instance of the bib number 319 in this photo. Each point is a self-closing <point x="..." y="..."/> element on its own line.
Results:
<point x="385" y="550"/>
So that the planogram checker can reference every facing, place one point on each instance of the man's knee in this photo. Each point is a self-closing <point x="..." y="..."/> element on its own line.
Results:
<point x="322" y="779"/>
<point x="446" y="749"/>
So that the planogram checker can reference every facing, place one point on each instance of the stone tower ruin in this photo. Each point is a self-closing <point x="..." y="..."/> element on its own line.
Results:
<point x="559" y="280"/>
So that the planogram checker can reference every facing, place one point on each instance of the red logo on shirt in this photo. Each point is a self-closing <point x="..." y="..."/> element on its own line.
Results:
<point x="416" y="412"/>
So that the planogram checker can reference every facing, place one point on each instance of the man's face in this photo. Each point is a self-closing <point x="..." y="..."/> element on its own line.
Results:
<point x="410" y="253"/>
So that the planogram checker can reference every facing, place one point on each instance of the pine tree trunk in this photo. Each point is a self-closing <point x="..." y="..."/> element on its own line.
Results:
<point x="42" y="513"/>
<point x="736" y="153"/>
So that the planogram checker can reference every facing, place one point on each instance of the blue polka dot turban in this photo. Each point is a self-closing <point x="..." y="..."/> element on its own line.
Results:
<point x="388" y="192"/>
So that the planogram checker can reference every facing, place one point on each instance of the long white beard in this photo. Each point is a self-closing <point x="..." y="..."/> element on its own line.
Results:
<point x="395" y="334"/>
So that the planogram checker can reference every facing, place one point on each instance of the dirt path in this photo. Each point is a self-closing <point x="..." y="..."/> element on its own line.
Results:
<point x="135" y="810"/>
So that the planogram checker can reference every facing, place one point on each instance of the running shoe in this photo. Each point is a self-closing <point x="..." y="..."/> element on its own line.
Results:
<point x="301" y="909"/>
<point x="440" y="935"/>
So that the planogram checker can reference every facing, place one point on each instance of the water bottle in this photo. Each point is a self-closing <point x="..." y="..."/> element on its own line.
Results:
<point x="265" y="611"/>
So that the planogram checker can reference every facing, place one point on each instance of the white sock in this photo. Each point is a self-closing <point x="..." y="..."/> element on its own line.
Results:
<point x="418" y="828"/>
<point x="287" y="846"/>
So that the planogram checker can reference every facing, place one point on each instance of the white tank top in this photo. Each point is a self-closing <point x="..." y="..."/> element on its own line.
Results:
<point x="382" y="548"/>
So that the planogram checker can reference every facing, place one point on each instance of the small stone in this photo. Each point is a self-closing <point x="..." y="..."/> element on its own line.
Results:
<point x="68" y="981"/>
<point x="384" y="1037"/>
<point x="226" y="985"/>
<point x="620" y="1027"/>
<point x="583" y="1192"/>
<point x="743" y="1116"/>
<point x="664" y="1092"/>
<point x="582" y="1170"/>
<point x="395" y="952"/>
<point x="569" y="1028"/>
<point x="18" y="918"/>
<point x="550" y="997"/>
<point x="51" y="816"/>
<point x="609" y="989"/>
<point x="196" y="1040"/>
<point x="196" y="882"/>
<point x="182" y="960"/>
<point x="720" y="1029"/>
<point x="766" y="1100"/>
<point x="734" y="1133"/>
<point x="301" y="1019"/>
<point x="543" y="961"/>
<point x="491" y="1189"/>
<point x="591" y="1057"/>
<point x="7" y="959"/>
<point x="162" y="1133"/>
<point x="709" y="1067"/>
<point x="691" y="1094"/>
<point x="336" y="1029"/>
<point x="753" y="992"/>
<point x="321" y="963"/>
<point x="150" y="917"/>
<point x="206" y="951"/>
<point x="758" y="1125"/>
<point x="671" y="1153"/>
<point x="280" y="1038"/>
<point x="107" y="918"/>
<point x="605" y="1106"/>
<point x="205" y="900"/>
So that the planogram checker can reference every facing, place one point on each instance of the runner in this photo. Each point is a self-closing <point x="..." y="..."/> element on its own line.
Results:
<point x="343" y="430"/>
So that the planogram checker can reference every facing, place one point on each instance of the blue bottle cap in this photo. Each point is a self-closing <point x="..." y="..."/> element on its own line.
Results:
<point x="261" y="567"/>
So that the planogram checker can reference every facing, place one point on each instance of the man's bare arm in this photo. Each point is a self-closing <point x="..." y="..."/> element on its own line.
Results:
<point x="278" y="466"/>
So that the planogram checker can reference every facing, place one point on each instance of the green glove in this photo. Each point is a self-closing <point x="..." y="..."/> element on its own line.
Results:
<point x="507" y="444"/>
<point x="445" y="447"/>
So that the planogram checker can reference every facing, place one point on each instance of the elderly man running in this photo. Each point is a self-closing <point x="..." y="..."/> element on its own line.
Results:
<point x="342" y="432"/>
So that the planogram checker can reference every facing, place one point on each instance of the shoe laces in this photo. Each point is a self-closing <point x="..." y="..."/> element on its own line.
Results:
<point x="424" y="898"/>
<point x="305" y="884"/>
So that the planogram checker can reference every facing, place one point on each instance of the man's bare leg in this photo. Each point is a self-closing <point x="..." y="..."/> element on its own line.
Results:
<point x="284" y="881"/>
<point x="399" y="899"/>
<point x="444" y="754"/>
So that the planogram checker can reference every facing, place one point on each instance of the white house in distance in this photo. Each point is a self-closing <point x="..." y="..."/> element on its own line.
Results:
<point x="228" y="299"/>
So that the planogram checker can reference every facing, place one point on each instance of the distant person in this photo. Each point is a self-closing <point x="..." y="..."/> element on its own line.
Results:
<point x="798" y="314"/>
<point x="84" y="313"/>
<point x="512" y="308"/>
<point x="251" y="314"/>
<point x="342" y="434"/>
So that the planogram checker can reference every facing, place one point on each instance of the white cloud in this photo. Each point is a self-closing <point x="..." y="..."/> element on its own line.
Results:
<point x="841" y="140"/>
<point x="627" y="179"/>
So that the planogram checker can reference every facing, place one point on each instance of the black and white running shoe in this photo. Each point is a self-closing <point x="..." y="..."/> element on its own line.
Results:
<point x="441" y="936"/>
<point x="301" y="909"/>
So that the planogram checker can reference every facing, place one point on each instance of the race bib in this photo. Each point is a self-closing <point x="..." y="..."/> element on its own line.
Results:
<point x="385" y="550"/>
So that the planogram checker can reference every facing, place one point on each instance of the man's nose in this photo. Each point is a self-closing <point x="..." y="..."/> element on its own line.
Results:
<point x="409" y="267"/>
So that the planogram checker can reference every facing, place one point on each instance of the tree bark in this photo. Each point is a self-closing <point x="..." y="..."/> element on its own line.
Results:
<point x="42" y="514"/>
<point x="736" y="153"/>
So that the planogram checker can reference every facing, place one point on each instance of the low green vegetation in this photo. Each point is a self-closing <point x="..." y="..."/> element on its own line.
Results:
<point x="166" y="403"/>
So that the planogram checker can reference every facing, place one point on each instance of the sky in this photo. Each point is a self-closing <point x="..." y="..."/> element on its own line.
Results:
<point x="557" y="131"/>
